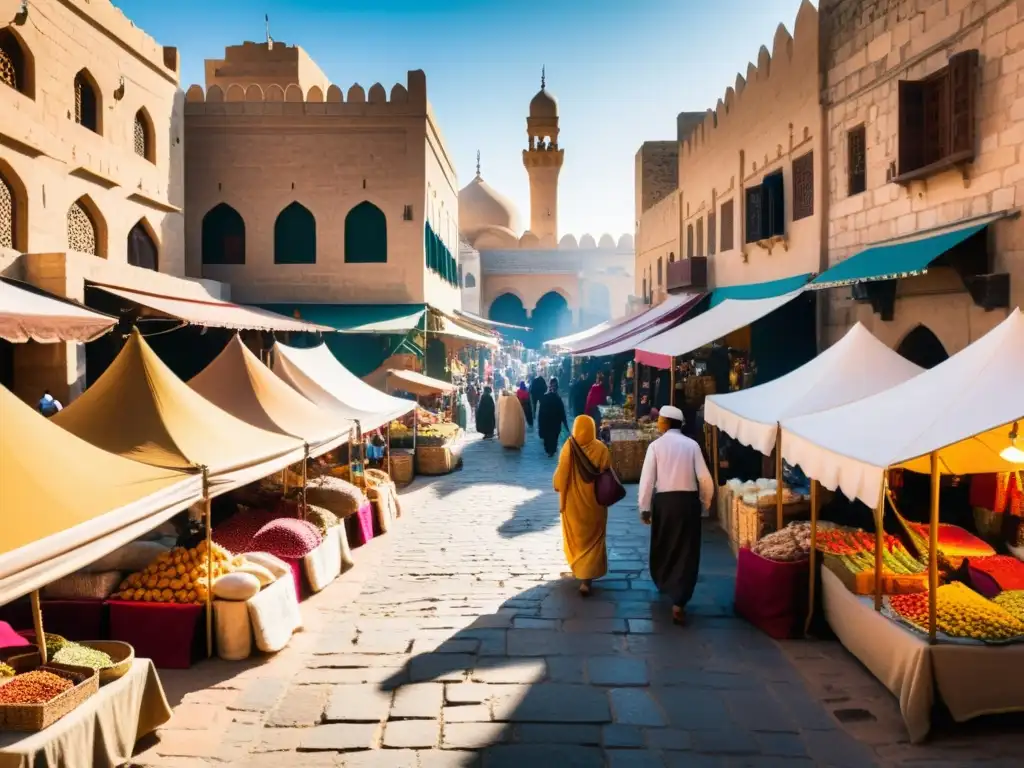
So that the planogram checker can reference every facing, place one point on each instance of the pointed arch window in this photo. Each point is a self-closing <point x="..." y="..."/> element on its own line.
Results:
<point x="470" y="281"/>
<point x="83" y="234"/>
<point x="142" y="248"/>
<point x="295" y="236"/>
<point x="223" y="236"/>
<point x="366" y="235"/>
<point x="87" y="102"/>
<point x="8" y="214"/>
<point x="15" y="63"/>
<point x="143" y="137"/>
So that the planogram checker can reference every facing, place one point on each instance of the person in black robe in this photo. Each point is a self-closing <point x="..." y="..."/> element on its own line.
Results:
<point x="551" y="418"/>
<point x="538" y="388"/>
<point x="578" y="395"/>
<point x="485" y="415"/>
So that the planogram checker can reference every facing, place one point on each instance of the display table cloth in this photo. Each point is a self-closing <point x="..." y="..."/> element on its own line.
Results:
<point x="172" y="635"/>
<point x="971" y="680"/>
<point x="80" y="619"/>
<point x="101" y="732"/>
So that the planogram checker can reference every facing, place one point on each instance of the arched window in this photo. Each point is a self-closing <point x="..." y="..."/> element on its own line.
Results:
<point x="223" y="236"/>
<point x="8" y="214"/>
<point x="295" y="236"/>
<point x="83" y="235"/>
<point x="144" y="136"/>
<point x="15" y="63"/>
<point x="366" y="235"/>
<point x="87" y="102"/>
<point x="470" y="281"/>
<point x="142" y="250"/>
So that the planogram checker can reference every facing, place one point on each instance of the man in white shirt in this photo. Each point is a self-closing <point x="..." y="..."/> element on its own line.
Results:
<point x="49" y="405"/>
<point x="675" y="486"/>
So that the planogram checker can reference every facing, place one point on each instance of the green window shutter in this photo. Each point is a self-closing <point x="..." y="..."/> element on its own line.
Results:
<point x="366" y="235"/>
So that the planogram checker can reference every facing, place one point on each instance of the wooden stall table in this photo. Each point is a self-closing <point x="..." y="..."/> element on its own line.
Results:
<point x="101" y="732"/>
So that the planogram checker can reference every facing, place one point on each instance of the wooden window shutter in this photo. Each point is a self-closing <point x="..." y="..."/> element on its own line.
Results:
<point x="911" y="125"/>
<point x="963" y="69"/>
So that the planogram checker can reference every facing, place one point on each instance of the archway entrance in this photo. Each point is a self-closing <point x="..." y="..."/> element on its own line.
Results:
<point x="923" y="348"/>
<point x="508" y="308"/>
<point x="551" y="318"/>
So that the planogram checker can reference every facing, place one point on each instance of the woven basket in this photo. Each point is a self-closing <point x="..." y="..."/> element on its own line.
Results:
<point x="402" y="471"/>
<point x="122" y="654"/>
<point x="627" y="458"/>
<point x="435" y="460"/>
<point x="376" y="477"/>
<point x="748" y="524"/>
<point x="37" y="717"/>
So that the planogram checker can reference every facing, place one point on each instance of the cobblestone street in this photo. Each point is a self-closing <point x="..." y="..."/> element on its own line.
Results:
<point x="456" y="641"/>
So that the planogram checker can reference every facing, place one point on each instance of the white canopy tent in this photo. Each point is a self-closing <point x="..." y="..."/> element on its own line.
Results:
<point x="26" y="315"/>
<point x="617" y="331"/>
<point x="855" y="367"/>
<point x="563" y="342"/>
<point x="318" y="375"/>
<point x="961" y="411"/>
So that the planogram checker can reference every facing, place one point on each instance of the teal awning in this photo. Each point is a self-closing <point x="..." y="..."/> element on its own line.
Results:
<point x="894" y="260"/>
<point x="357" y="318"/>
<point x="767" y="290"/>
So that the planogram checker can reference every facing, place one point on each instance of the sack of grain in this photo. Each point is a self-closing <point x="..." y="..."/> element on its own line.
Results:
<point x="262" y="574"/>
<point x="322" y="518"/>
<point x="346" y="550"/>
<point x="336" y="495"/>
<point x="274" y="615"/>
<point x="288" y="538"/>
<point x="275" y="565"/>
<point x="233" y="629"/>
<point x="511" y="422"/>
<point x="83" y="586"/>
<point x="132" y="557"/>
<point x="323" y="564"/>
<point x="236" y="586"/>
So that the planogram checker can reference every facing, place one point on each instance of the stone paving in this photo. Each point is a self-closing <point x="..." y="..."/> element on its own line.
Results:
<point x="457" y="641"/>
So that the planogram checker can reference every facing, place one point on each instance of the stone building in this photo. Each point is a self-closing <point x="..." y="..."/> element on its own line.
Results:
<point x="553" y="284"/>
<point x="748" y="188"/>
<point x="91" y="167"/>
<point x="300" y="192"/>
<point x="925" y="118"/>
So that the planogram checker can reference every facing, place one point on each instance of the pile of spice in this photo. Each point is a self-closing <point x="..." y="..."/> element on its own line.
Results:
<point x="36" y="687"/>
<point x="6" y="671"/>
<point x="81" y="656"/>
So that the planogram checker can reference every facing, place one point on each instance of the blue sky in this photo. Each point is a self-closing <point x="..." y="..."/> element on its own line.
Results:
<point x="621" y="70"/>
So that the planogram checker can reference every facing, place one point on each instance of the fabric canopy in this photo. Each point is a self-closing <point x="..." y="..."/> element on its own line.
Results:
<point x="140" y="410"/>
<point x="661" y="322"/>
<point x="563" y="342"/>
<point x="237" y="382"/>
<point x="766" y="290"/>
<point x="856" y="366"/>
<point x="65" y="503"/>
<point x="447" y="326"/>
<point x="212" y="313"/>
<point x="618" y="331"/>
<point x="387" y="319"/>
<point x="717" y="322"/>
<point x="902" y="258"/>
<point x="416" y="383"/>
<point x="962" y="409"/>
<point x="483" y="321"/>
<point x="31" y="315"/>
<point x="318" y="375"/>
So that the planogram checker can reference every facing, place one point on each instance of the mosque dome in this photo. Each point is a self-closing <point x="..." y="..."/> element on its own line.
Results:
<point x="481" y="206"/>
<point x="544" y="104"/>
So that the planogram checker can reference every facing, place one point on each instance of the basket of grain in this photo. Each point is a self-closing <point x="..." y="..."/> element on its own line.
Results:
<point x="121" y="654"/>
<point x="40" y="695"/>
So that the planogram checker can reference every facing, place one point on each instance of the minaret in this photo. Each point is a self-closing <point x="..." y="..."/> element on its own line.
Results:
<point x="543" y="160"/>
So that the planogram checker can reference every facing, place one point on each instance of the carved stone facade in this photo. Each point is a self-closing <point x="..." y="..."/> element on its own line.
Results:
<point x="872" y="47"/>
<point x="369" y="168"/>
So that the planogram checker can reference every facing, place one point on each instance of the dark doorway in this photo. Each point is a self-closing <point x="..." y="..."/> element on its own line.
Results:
<point x="923" y="348"/>
<point x="142" y="251"/>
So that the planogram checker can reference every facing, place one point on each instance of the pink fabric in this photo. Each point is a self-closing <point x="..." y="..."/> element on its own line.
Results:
<point x="296" y="565"/>
<point x="365" y="515"/>
<point x="772" y="596"/>
<point x="171" y="635"/>
<point x="9" y="638"/>
<point x="597" y="396"/>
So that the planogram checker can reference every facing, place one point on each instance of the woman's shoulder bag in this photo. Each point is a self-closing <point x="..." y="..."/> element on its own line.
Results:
<point x="608" y="490"/>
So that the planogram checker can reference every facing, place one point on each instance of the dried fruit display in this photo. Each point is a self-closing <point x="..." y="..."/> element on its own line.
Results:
<point x="36" y="687"/>
<point x="178" y="576"/>
<point x="1008" y="572"/>
<point x="287" y="537"/>
<point x="236" y="533"/>
<point x="788" y="545"/>
<point x="1012" y="601"/>
<point x="322" y="518"/>
<point x="960" y="612"/>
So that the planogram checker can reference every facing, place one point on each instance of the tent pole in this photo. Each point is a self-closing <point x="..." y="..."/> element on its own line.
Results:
<point x="305" y="478"/>
<point x="933" y="549"/>
<point x="812" y="556"/>
<point x="672" y="381"/>
<point x="714" y="453"/>
<point x="388" y="449"/>
<point x="208" y="518"/>
<point x="879" y="546"/>
<point x="37" y="624"/>
<point x="778" y="478"/>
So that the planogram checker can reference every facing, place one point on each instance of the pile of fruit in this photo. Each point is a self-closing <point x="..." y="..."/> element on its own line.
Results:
<point x="179" y="576"/>
<point x="1012" y="601"/>
<point x="856" y="550"/>
<point x="790" y="544"/>
<point x="1006" y="571"/>
<point x="960" y="612"/>
<point x="36" y="687"/>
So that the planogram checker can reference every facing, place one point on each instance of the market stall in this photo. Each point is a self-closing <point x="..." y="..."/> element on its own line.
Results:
<point x="436" y="439"/>
<point x="29" y="314"/>
<point x="958" y="418"/>
<point x="627" y="441"/>
<point x="140" y="410"/>
<point x="54" y="528"/>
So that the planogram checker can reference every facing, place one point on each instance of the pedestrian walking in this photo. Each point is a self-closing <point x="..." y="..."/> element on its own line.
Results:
<point x="525" y="400"/>
<point x="597" y="396"/>
<point x="485" y="415"/>
<point x="538" y="388"/>
<point x="675" y="485"/>
<point x="551" y="418"/>
<point x="578" y="395"/>
<point x="584" y="521"/>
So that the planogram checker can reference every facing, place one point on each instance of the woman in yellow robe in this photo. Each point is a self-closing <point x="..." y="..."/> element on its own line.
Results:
<point x="584" y="521"/>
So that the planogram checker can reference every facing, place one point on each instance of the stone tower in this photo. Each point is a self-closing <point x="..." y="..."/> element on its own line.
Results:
<point x="543" y="160"/>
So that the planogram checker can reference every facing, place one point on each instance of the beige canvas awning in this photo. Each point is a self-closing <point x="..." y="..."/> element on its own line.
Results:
<point x="140" y="410"/>
<point x="416" y="383"/>
<point x="238" y="383"/>
<point x="27" y="315"/>
<point x="65" y="503"/>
